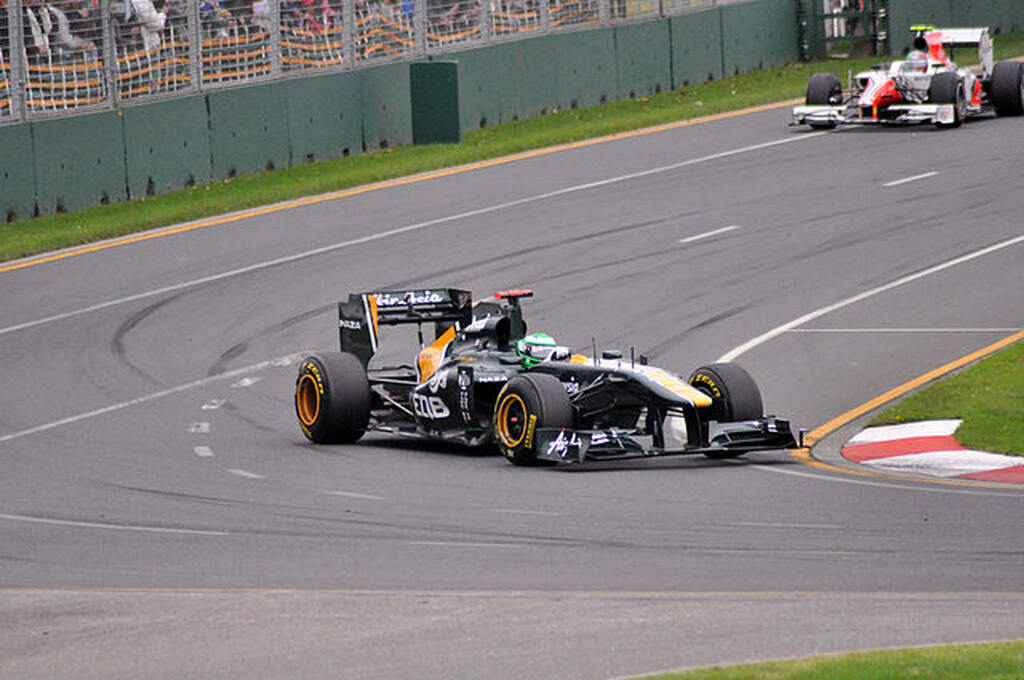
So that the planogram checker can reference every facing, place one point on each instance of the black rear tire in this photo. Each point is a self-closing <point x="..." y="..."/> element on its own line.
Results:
<point x="824" y="89"/>
<point x="947" y="88"/>
<point x="526" y="403"/>
<point x="1007" y="88"/>
<point x="332" y="398"/>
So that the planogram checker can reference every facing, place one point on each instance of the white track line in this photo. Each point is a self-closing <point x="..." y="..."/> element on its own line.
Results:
<point x="353" y="494"/>
<point x="194" y="428"/>
<point x="732" y="354"/>
<point x="404" y="230"/>
<point x="246" y="474"/>
<point x="908" y="180"/>
<point x="709" y="234"/>
<point x="467" y="544"/>
<point x="532" y="513"/>
<point x="784" y="525"/>
<point x="909" y="485"/>
<point x="115" y="527"/>
<point x="905" y="330"/>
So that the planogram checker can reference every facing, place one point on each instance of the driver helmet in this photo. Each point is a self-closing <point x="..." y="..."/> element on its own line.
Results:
<point x="535" y="348"/>
<point x="916" y="61"/>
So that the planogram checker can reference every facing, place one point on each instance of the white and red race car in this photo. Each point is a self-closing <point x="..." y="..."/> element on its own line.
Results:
<point x="926" y="87"/>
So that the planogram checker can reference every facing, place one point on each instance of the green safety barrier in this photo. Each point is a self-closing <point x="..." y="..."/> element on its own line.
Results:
<point x="164" y="149"/>
<point x="758" y="35"/>
<point x="325" y="116"/>
<point x="248" y="130"/>
<point x="79" y="162"/>
<point x="17" y="173"/>
<point x="387" y="109"/>
<point x="643" y="57"/>
<point x="434" y="92"/>
<point x="696" y="48"/>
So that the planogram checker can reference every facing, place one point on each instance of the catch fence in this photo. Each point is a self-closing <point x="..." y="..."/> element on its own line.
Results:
<point x="59" y="57"/>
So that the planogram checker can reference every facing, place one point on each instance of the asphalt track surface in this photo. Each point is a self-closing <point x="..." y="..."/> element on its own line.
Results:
<point x="162" y="517"/>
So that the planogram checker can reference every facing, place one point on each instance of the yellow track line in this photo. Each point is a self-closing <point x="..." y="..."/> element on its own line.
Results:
<point x="813" y="437"/>
<point x="403" y="181"/>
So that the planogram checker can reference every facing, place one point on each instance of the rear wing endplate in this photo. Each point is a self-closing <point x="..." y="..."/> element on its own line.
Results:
<point x="360" y="318"/>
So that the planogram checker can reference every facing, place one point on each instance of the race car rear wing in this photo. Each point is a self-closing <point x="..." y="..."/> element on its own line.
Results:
<point x="929" y="38"/>
<point x="360" y="318"/>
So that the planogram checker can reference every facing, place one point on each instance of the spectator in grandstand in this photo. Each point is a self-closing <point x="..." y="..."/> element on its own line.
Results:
<point x="3" y="26"/>
<point x="259" y="12"/>
<point x="37" y="27"/>
<point x="122" y="20"/>
<point x="51" y="31"/>
<point x="66" y="40"/>
<point x="317" y="16"/>
<point x="150" y="23"/>
<point x="177" y="13"/>
<point x="215" y="18"/>
<point x="85" y="19"/>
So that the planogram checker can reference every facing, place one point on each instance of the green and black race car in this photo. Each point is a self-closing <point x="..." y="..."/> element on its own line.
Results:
<point x="484" y="380"/>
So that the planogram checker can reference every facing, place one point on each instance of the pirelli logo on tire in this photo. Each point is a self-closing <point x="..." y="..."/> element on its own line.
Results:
<point x="708" y="382"/>
<point x="531" y="427"/>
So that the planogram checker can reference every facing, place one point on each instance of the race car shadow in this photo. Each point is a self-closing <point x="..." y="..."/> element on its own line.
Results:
<point x="876" y="129"/>
<point x="415" y="446"/>
<point x="924" y="128"/>
<point x="429" y="446"/>
<point x="694" y="462"/>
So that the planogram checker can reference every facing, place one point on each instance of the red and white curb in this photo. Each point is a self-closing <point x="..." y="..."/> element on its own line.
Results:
<point x="930" y="448"/>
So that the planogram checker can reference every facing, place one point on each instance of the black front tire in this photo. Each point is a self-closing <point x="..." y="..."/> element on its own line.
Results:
<point x="332" y="398"/>
<point x="734" y="394"/>
<point x="1007" y="88"/>
<point x="948" y="88"/>
<point x="527" y="403"/>
<point x="824" y="89"/>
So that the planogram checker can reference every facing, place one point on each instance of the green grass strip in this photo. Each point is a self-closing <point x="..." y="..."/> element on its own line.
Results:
<point x="993" y="661"/>
<point x="988" y="396"/>
<point x="43" y="234"/>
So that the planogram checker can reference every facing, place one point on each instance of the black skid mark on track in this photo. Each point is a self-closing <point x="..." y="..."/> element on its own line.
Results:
<point x="239" y="348"/>
<point x="506" y="257"/>
<point x="182" y="496"/>
<point x="629" y="275"/>
<point x="674" y="339"/>
<point x="117" y="342"/>
<point x="460" y="270"/>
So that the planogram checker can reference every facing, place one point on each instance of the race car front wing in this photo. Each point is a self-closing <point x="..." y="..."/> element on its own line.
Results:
<point x="724" y="439"/>
<point x="896" y="114"/>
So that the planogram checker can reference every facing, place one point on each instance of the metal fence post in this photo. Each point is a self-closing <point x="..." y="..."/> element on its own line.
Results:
<point x="19" y="68"/>
<point x="880" y="21"/>
<point x="348" y="32"/>
<point x="195" y="46"/>
<point x="419" y="27"/>
<point x="603" y="11"/>
<point x="485" y="20"/>
<point x="276" y="53"/>
<point x="109" y="54"/>
<point x="545" y="16"/>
